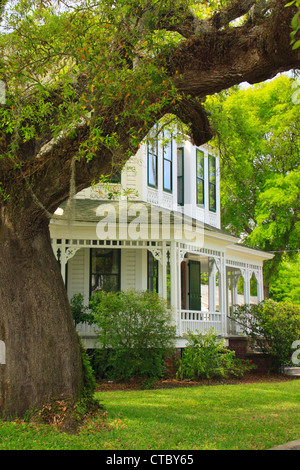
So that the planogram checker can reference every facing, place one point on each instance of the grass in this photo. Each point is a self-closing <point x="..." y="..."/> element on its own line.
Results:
<point x="221" y="417"/>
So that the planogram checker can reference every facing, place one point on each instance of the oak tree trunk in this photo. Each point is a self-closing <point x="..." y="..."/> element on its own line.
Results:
<point x="42" y="358"/>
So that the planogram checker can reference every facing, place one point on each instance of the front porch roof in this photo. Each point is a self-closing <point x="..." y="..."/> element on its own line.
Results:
<point x="85" y="212"/>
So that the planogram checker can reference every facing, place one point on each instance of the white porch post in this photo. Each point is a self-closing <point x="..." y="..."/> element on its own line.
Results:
<point x="179" y="258"/>
<point x="234" y="290"/>
<point x="164" y="270"/>
<point x="60" y="255"/>
<point x="63" y="261"/>
<point x="211" y="285"/>
<point x="174" y="286"/>
<point x="222" y="280"/>
<point x="246" y="286"/>
<point x="63" y="254"/>
<point x="260" y="286"/>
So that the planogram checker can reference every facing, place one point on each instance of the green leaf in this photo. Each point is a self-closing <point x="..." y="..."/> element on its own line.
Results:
<point x="296" y="45"/>
<point x="290" y="3"/>
<point x="294" y="22"/>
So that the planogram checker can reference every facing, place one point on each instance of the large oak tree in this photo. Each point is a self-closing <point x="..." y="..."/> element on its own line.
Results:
<point x="85" y="81"/>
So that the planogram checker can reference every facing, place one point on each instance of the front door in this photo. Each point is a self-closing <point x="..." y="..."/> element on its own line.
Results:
<point x="195" y="284"/>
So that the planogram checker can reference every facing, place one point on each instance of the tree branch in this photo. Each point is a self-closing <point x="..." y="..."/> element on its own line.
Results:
<point x="188" y="24"/>
<point x="210" y="62"/>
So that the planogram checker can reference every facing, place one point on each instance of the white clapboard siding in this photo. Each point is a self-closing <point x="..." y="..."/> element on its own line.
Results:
<point x="76" y="273"/>
<point x="128" y="269"/>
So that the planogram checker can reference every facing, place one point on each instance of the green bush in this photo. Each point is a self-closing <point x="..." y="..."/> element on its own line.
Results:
<point x="206" y="356"/>
<point x="272" y="327"/>
<point x="88" y="385"/>
<point x="80" y="312"/>
<point x="134" y="334"/>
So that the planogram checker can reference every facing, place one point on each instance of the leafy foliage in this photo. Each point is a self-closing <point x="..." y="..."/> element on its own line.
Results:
<point x="295" y="24"/>
<point x="259" y="140"/>
<point x="88" y="378"/>
<point x="135" y="333"/>
<point x="285" y="286"/>
<point x="74" y="57"/>
<point x="79" y="311"/>
<point x="272" y="327"/>
<point x="206" y="356"/>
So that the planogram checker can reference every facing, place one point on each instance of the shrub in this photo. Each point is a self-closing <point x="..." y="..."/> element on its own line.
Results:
<point x="206" y="356"/>
<point x="272" y="327"/>
<point x="134" y="333"/>
<point x="80" y="312"/>
<point x="88" y="385"/>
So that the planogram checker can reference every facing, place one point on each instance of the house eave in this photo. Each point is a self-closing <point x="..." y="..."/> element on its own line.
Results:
<point x="238" y="248"/>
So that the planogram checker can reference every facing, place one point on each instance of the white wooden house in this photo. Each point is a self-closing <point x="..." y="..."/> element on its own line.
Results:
<point x="165" y="236"/>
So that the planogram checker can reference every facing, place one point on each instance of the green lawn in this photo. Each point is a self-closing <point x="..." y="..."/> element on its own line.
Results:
<point x="233" y="417"/>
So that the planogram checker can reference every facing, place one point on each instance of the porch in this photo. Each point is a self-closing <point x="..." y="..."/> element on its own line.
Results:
<point x="200" y="284"/>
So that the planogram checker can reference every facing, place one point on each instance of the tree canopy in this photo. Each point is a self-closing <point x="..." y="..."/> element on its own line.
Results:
<point x="88" y="79"/>
<point x="258" y="133"/>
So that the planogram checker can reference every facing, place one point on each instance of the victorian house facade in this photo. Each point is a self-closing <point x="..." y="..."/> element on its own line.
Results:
<point x="161" y="232"/>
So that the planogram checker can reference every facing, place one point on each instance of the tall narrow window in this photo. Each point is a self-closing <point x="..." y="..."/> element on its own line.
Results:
<point x="212" y="183"/>
<point x="152" y="273"/>
<point x="152" y="163"/>
<point x="200" y="177"/>
<point x="167" y="166"/>
<point x="180" y="176"/>
<point x="115" y="179"/>
<point x="105" y="270"/>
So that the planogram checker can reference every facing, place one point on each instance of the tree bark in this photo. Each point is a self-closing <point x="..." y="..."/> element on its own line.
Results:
<point x="42" y="358"/>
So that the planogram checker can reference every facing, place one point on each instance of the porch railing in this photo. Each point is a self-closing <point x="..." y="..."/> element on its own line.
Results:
<point x="84" y="329"/>
<point x="194" y="320"/>
<point x="190" y="320"/>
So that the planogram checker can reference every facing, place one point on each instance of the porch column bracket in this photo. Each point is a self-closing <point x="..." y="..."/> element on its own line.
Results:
<point x="218" y="264"/>
<point x="157" y="254"/>
<point x="70" y="252"/>
<point x="181" y="255"/>
<point x="244" y="273"/>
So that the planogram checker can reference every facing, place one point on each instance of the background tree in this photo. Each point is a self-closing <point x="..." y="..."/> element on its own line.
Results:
<point x="274" y="328"/>
<point x="85" y="82"/>
<point x="258" y="133"/>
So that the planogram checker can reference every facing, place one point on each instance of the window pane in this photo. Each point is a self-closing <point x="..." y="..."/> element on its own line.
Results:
<point x="212" y="197"/>
<point x="152" y="273"/>
<point x="167" y="166"/>
<point x="212" y="169"/>
<point x="152" y="169"/>
<point x="180" y="162"/>
<point x="200" y="192"/>
<point x="200" y="164"/>
<point x="180" y="191"/>
<point x="105" y="270"/>
<point x="168" y="151"/>
<point x="167" y="175"/>
<point x="180" y="172"/>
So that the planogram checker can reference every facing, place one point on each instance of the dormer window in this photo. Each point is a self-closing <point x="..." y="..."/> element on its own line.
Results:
<point x="212" y="180"/>
<point x="152" y="163"/>
<point x="200" y="177"/>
